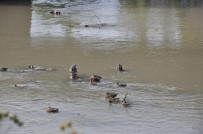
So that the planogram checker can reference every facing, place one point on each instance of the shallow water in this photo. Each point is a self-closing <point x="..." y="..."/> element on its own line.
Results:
<point x="159" y="44"/>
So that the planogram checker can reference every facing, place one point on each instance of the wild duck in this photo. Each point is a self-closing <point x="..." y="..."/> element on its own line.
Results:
<point x="95" y="78"/>
<point x="111" y="98"/>
<point x="119" y="67"/>
<point x="73" y="71"/>
<point x="121" y="84"/>
<point x="3" y="69"/>
<point x="110" y="95"/>
<point x="39" y="68"/>
<point x="125" y="102"/>
<point x="31" y="67"/>
<point x="92" y="82"/>
<point x="52" y="110"/>
<point x="114" y="100"/>
<point x="55" y="12"/>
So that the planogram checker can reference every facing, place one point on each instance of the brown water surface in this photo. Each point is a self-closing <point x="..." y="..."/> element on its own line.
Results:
<point x="159" y="44"/>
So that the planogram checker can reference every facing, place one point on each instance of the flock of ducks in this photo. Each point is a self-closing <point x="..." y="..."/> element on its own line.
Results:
<point x="94" y="79"/>
<point x="58" y="13"/>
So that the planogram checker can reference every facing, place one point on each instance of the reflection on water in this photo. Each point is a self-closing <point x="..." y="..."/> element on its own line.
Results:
<point x="110" y="24"/>
<point x="163" y="3"/>
<point x="159" y="44"/>
<point x="163" y="28"/>
<point x="43" y="27"/>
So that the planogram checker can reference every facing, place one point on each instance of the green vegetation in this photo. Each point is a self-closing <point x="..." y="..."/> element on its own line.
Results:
<point x="68" y="127"/>
<point x="12" y="117"/>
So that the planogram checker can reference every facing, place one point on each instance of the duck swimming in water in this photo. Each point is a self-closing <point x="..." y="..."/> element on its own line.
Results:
<point x="39" y="68"/>
<point x="3" y="69"/>
<point x="52" y="110"/>
<point x="110" y="95"/>
<point x="73" y="71"/>
<point x="119" y="67"/>
<point x="125" y="102"/>
<point x="55" y="12"/>
<point x="111" y="98"/>
<point x="31" y="67"/>
<point x="95" y="78"/>
<point x="92" y="82"/>
<point x="121" y="84"/>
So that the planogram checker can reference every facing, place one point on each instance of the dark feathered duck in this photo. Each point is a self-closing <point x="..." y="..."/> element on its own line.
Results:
<point x="95" y="78"/>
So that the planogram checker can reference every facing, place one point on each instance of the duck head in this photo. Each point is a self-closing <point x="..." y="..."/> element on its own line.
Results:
<point x="120" y="67"/>
<point x="73" y="69"/>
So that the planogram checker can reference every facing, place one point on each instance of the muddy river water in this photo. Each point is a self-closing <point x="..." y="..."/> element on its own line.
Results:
<point x="159" y="44"/>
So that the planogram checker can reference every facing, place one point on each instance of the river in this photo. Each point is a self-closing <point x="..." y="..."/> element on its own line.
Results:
<point x="159" y="44"/>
